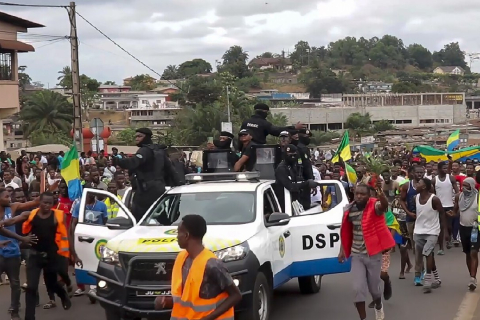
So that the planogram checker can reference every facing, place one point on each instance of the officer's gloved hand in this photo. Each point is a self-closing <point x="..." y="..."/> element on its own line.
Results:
<point x="312" y="184"/>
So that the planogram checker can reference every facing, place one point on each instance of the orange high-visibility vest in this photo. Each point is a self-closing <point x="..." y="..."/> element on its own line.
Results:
<point x="187" y="303"/>
<point x="61" y="237"/>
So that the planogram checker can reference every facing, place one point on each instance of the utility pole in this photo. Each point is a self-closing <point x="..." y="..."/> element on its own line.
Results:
<point x="228" y="105"/>
<point x="77" y="108"/>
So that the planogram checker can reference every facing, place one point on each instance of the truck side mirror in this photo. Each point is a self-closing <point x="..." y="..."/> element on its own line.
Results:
<point x="278" y="219"/>
<point x="119" y="223"/>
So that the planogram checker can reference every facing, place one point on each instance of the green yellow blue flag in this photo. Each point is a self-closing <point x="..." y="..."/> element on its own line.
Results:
<point x="454" y="140"/>
<point x="351" y="174"/>
<point x="343" y="149"/>
<point x="71" y="173"/>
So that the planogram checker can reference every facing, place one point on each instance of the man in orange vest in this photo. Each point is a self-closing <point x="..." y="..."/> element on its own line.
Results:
<point x="365" y="236"/>
<point x="202" y="288"/>
<point x="50" y="253"/>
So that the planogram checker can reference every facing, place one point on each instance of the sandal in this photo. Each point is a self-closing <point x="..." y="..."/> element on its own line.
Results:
<point x="50" y="305"/>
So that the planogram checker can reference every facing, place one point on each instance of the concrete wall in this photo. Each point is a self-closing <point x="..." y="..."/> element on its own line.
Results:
<point x="419" y="115"/>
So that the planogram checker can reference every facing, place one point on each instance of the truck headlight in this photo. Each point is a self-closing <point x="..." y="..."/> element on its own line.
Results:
<point x="235" y="253"/>
<point x="109" y="256"/>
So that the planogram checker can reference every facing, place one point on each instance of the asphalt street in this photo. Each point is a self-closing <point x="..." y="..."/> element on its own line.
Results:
<point x="334" y="302"/>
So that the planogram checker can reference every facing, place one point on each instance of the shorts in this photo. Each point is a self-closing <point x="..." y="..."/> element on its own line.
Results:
<point x="467" y="245"/>
<point x="425" y="243"/>
<point x="385" y="261"/>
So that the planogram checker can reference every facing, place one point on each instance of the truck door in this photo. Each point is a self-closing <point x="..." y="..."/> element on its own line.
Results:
<point x="279" y="240"/>
<point x="315" y="238"/>
<point x="90" y="237"/>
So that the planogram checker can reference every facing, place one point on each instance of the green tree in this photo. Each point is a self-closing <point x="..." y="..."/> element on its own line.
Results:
<point x="110" y="83"/>
<point x="404" y="87"/>
<point x="143" y="82"/>
<point x="126" y="136"/>
<point x="194" y="67"/>
<point x="202" y="90"/>
<point x="451" y="55"/>
<point x="266" y="55"/>
<point x="301" y="55"/>
<point x="382" y="125"/>
<point x="359" y="123"/>
<point x="321" y="137"/>
<point x="23" y="78"/>
<point x="49" y="135"/>
<point x="235" y="62"/>
<point x="170" y="73"/>
<point x="65" y="78"/>
<point x="420" y="56"/>
<point x="320" y="80"/>
<point x="46" y="110"/>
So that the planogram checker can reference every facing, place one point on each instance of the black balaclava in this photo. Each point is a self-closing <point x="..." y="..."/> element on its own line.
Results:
<point x="261" y="110"/>
<point x="224" y="145"/>
<point x="148" y="136"/>
<point x="290" y="155"/>
<point x="304" y="139"/>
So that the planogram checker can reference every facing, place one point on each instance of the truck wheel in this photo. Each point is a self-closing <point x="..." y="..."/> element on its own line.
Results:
<point x="261" y="301"/>
<point x="309" y="285"/>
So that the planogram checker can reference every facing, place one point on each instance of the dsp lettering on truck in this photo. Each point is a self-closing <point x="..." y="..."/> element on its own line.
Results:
<point x="320" y="241"/>
<point x="156" y="241"/>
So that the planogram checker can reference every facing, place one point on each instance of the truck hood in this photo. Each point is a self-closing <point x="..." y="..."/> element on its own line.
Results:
<point x="164" y="238"/>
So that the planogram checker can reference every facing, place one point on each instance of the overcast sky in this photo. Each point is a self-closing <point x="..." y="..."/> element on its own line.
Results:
<point x="164" y="32"/>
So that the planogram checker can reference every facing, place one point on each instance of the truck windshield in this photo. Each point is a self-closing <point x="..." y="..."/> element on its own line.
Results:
<point x="214" y="207"/>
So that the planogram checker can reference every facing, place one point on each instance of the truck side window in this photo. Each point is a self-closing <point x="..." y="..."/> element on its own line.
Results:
<point x="269" y="203"/>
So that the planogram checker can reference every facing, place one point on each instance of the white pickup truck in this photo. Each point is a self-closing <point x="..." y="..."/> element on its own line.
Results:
<point x="131" y="261"/>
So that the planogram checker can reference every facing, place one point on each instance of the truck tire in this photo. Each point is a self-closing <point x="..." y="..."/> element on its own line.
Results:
<point x="261" y="300"/>
<point x="310" y="284"/>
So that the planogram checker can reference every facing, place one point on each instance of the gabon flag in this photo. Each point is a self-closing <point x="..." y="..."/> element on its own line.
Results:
<point x="343" y="149"/>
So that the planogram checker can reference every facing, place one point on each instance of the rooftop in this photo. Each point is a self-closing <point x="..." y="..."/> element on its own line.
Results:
<point x="5" y="17"/>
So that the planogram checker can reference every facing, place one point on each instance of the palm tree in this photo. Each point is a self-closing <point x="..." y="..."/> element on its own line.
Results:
<point x="65" y="78"/>
<point x="47" y="111"/>
<point x="170" y="73"/>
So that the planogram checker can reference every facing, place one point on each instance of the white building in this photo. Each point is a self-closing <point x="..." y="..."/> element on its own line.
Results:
<point x="151" y="100"/>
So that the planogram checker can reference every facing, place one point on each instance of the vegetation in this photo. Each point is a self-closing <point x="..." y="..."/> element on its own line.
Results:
<point x="46" y="111"/>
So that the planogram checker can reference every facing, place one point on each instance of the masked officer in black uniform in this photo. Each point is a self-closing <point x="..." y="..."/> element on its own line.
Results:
<point x="288" y="176"/>
<point x="301" y="139"/>
<point x="148" y="170"/>
<point x="260" y="128"/>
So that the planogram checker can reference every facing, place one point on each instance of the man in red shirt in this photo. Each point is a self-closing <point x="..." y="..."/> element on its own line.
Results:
<point x="470" y="171"/>
<point x="64" y="202"/>
<point x="459" y="177"/>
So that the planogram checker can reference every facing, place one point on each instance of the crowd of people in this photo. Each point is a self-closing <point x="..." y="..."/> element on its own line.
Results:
<point x="412" y="204"/>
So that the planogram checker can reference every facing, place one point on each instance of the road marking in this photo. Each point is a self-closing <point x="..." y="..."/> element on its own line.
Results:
<point x="467" y="308"/>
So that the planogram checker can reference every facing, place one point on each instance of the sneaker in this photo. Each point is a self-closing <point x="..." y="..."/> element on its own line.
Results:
<point x="387" y="291"/>
<point x="436" y="284"/>
<point x="79" y="292"/>
<point x="15" y="316"/>
<point x="441" y="252"/>
<point x="379" y="314"/>
<point x="456" y="243"/>
<point x="418" y="282"/>
<point x="449" y="244"/>
<point x="472" y="285"/>
<point x="24" y="286"/>
<point x="427" y="289"/>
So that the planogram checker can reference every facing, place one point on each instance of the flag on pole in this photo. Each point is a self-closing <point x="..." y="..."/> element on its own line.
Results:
<point x="71" y="173"/>
<point x="454" y="140"/>
<point x="351" y="174"/>
<point x="343" y="149"/>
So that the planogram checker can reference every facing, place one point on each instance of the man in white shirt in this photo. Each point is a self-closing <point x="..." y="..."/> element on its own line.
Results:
<point x="109" y="170"/>
<point x="7" y="179"/>
<point x="316" y="198"/>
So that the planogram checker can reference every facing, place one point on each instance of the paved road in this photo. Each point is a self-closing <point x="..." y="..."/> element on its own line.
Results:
<point x="450" y="302"/>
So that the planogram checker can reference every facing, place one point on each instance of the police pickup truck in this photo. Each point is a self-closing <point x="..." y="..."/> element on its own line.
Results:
<point x="131" y="262"/>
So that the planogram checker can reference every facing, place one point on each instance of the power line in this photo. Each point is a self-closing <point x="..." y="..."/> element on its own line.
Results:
<point x="53" y="42"/>
<point x="124" y="50"/>
<point x="31" y="5"/>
